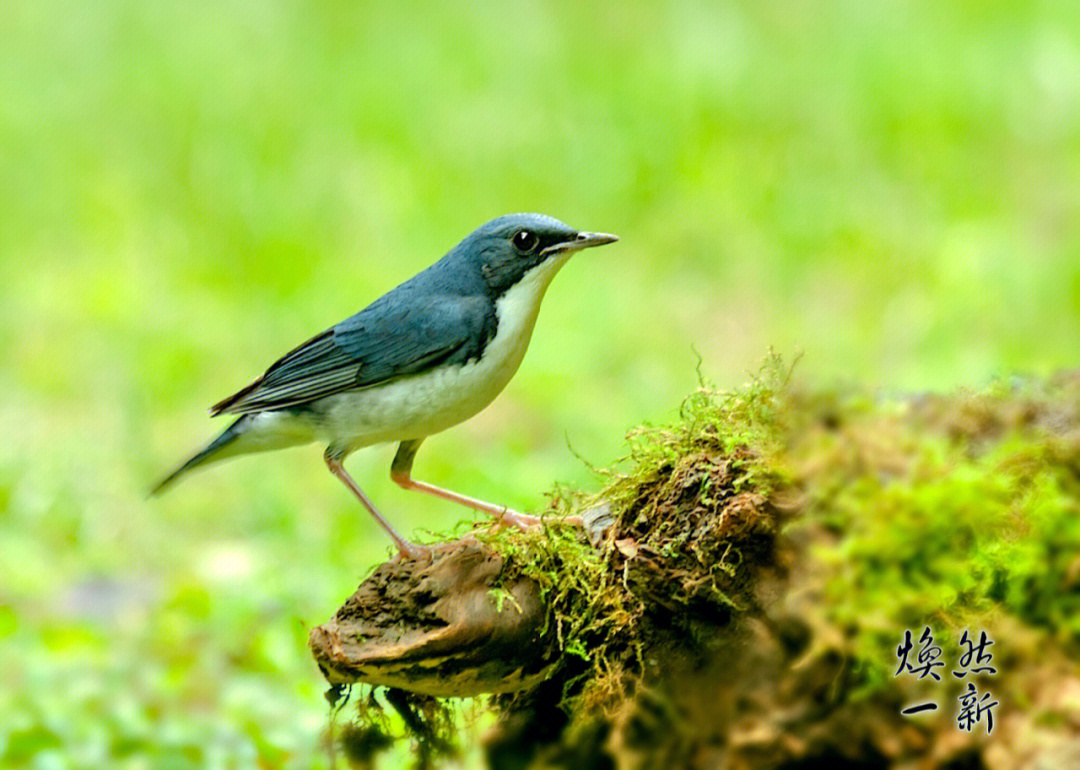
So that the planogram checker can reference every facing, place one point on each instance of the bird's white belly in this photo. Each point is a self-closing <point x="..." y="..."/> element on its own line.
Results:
<point x="423" y="404"/>
<point x="414" y="407"/>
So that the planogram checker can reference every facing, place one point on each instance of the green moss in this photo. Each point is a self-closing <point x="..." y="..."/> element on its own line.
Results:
<point x="693" y="521"/>
<point x="948" y="511"/>
<point x="955" y="511"/>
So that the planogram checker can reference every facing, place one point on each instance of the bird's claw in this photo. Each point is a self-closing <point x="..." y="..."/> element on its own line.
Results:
<point x="526" y="522"/>
<point x="509" y="518"/>
<point x="411" y="551"/>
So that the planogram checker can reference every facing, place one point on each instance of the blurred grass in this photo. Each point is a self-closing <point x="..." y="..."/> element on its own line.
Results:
<point x="188" y="190"/>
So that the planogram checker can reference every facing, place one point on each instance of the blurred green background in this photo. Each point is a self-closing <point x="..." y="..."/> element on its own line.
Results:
<point x="187" y="190"/>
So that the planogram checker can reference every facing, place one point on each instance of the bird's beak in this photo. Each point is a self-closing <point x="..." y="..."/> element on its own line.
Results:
<point x="581" y="241"/>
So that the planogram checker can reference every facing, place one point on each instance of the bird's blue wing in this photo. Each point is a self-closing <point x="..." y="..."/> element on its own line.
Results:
<point x="380" y="343"/>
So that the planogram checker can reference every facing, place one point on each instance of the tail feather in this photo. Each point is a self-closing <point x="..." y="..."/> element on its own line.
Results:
<point x="216" y="450"/>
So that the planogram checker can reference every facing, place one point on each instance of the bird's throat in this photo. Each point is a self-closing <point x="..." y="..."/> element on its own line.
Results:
<point x="517" y="309"/>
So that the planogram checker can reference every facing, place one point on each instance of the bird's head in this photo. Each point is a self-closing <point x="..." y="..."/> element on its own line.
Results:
<point x="508" y="248"/>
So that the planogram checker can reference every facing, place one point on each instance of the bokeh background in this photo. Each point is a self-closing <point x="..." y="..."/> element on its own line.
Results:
<point x="187" y="190"/>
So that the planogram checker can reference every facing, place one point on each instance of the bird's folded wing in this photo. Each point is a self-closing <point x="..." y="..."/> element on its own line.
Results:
<point x="375" y="345"/>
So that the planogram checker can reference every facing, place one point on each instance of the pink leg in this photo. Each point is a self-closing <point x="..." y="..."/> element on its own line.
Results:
<point x="401" y="470"/>
<point x="406" y="549"/>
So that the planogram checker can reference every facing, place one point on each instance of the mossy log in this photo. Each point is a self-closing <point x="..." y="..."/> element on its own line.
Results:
<point x="737" y="600"/>
<point x="451" y="626"/>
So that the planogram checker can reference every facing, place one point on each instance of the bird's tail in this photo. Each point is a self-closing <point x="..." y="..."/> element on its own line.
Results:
<point x="221" y="447"/>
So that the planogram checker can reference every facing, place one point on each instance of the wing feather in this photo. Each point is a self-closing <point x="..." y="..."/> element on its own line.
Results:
<point x="376" y="345"/>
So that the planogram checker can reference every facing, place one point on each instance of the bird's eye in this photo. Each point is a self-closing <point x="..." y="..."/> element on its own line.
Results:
<point x="525" y="240"/>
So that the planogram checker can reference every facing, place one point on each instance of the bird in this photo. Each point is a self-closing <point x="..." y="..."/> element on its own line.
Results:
<point x="423" y="357"/>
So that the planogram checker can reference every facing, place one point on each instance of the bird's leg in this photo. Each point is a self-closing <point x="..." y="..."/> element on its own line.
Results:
<point x="401" y="470"/>
<point x="405" y="548"/>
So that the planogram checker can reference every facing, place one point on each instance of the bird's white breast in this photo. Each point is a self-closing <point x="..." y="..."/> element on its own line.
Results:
<point x="423" y="404"/>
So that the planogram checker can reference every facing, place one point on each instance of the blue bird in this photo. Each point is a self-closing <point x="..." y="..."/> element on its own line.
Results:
<point x="425" y="356"/>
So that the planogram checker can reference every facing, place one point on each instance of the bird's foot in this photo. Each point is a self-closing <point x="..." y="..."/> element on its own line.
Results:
<point x="409" y="551"/>
<point x="526" y="522"/>
<point x="412" y="552"/>
<point x="506" y="517"/>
